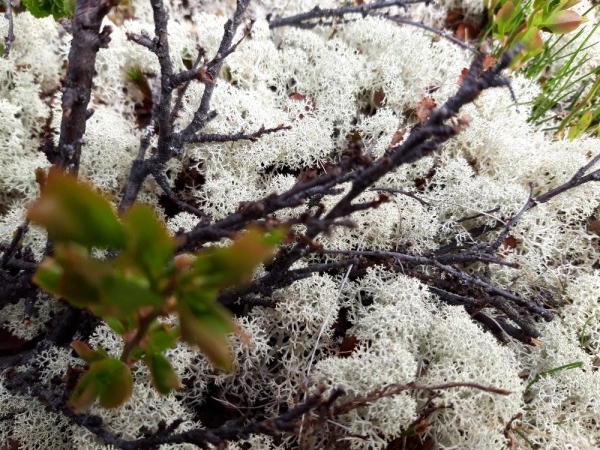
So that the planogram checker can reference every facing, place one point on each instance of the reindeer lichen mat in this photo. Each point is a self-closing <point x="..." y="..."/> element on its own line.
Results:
<point x="276" y="224"/>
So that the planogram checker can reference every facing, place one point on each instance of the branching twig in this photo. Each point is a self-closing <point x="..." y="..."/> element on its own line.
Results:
<point x="170" y="143"/>
<point x="183" y="90"/>
<point x="201" y="116"/>
<point x="303" y="20"/>
<point x="420" y="143"/>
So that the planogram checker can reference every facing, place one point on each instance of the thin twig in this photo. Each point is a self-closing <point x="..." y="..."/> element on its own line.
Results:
<point x="240" y="136"/>
<point x="161" y="179"/>
<point x="438" y="32"/>
<point x="183" y="90"/>
<point x="14" y="244"/>
<point x="10" y="36"/>
<point x="318" y="13"/>
<point x="400" y="191"/>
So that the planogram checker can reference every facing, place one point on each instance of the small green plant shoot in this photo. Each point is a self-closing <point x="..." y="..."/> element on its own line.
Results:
<point x="54" y="8"/>
<point x="144" y="283"/>
<point x="514" y="21"/>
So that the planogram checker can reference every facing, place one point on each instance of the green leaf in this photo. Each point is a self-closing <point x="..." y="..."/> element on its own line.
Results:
<point x="221" y="268"/>
<point x="116" y="325"/>
<point x="562" y="22"/>
<point x="48" y="275"/>
<point x="85" y="393"/>
<point x="164" y="378"/>
<point x="38" y="8"/>
<point x="137" y="354"/>
<point x="109" y="380"/>
<point x="124" y="294"/>
<point x="81" y="276"/>
<point x="209" y="332"/>
<point x="161" y="337"/>
<point x="71" y="211"/>
<point x="56" y="8"/>
<point x="506" y="18"/>
<point x="582" y="124"/>
<point x="88" y="354"/>
<point x="149" y="246"/>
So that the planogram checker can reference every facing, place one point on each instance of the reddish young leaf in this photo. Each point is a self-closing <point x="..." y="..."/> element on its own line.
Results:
<point x="424" y="108"/>
<point x="379" y="98"/>
<point x="562" y="22"/>
<point x="109" y="380"/>
<point x="208" y="329"/>
<point x="509" y="243"/>
<point x="398" y="136"/>
<point x="88" y="354"/>
<point x="462" y="76"/>
<point x="205" y="77"/>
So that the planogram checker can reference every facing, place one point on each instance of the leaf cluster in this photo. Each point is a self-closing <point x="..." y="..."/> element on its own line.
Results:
<point x="144" y="283"/>
<point x="514" y="21"/>
<point x="55" y="8"/>
<point x="521" y="21"/>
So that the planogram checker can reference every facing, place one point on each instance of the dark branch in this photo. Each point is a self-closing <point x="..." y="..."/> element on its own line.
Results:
<point x="87" y="40"/>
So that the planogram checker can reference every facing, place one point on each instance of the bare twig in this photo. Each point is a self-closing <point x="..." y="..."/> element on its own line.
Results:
<point x="161" y="179"/>
<point x="240" y="136"/>
<point x="420" y="143"/>
<point x="184" y="88"/>
<point x="170" y="143"/>
<point x="10" y="35"/>
<point x="8" y="252"/>
<point x="303" y="20"/>
<point x="201" y="116"/>
<point x="440" y="33"/>
<point x="395" y="389"/>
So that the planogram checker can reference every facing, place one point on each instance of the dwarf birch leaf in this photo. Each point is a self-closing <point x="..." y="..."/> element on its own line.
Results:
<point x="504" y="17"/>
<point x="225" y="267"/>
<point x="56" y="8"/>
<point x="562" y="22"/>
<point x="162" y="338"/>
<point x="81" y="277"/>
<point x="71" y="211"/>
<point x="86" y="353"/>
<point x="85" y="393"/>
<point x="164" y="378"/>
<point x="115" y="325"/>
<point x="116" y="382"/>
<point x="209" y="332"/>
<point x="109" y="380"/>
<point x="123" y="295"/>
<point x="149" y="246"/>
<point x="48" y="275"/>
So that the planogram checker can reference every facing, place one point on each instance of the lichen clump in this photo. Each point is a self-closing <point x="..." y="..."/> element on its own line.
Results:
<point x="320" y="82"/>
